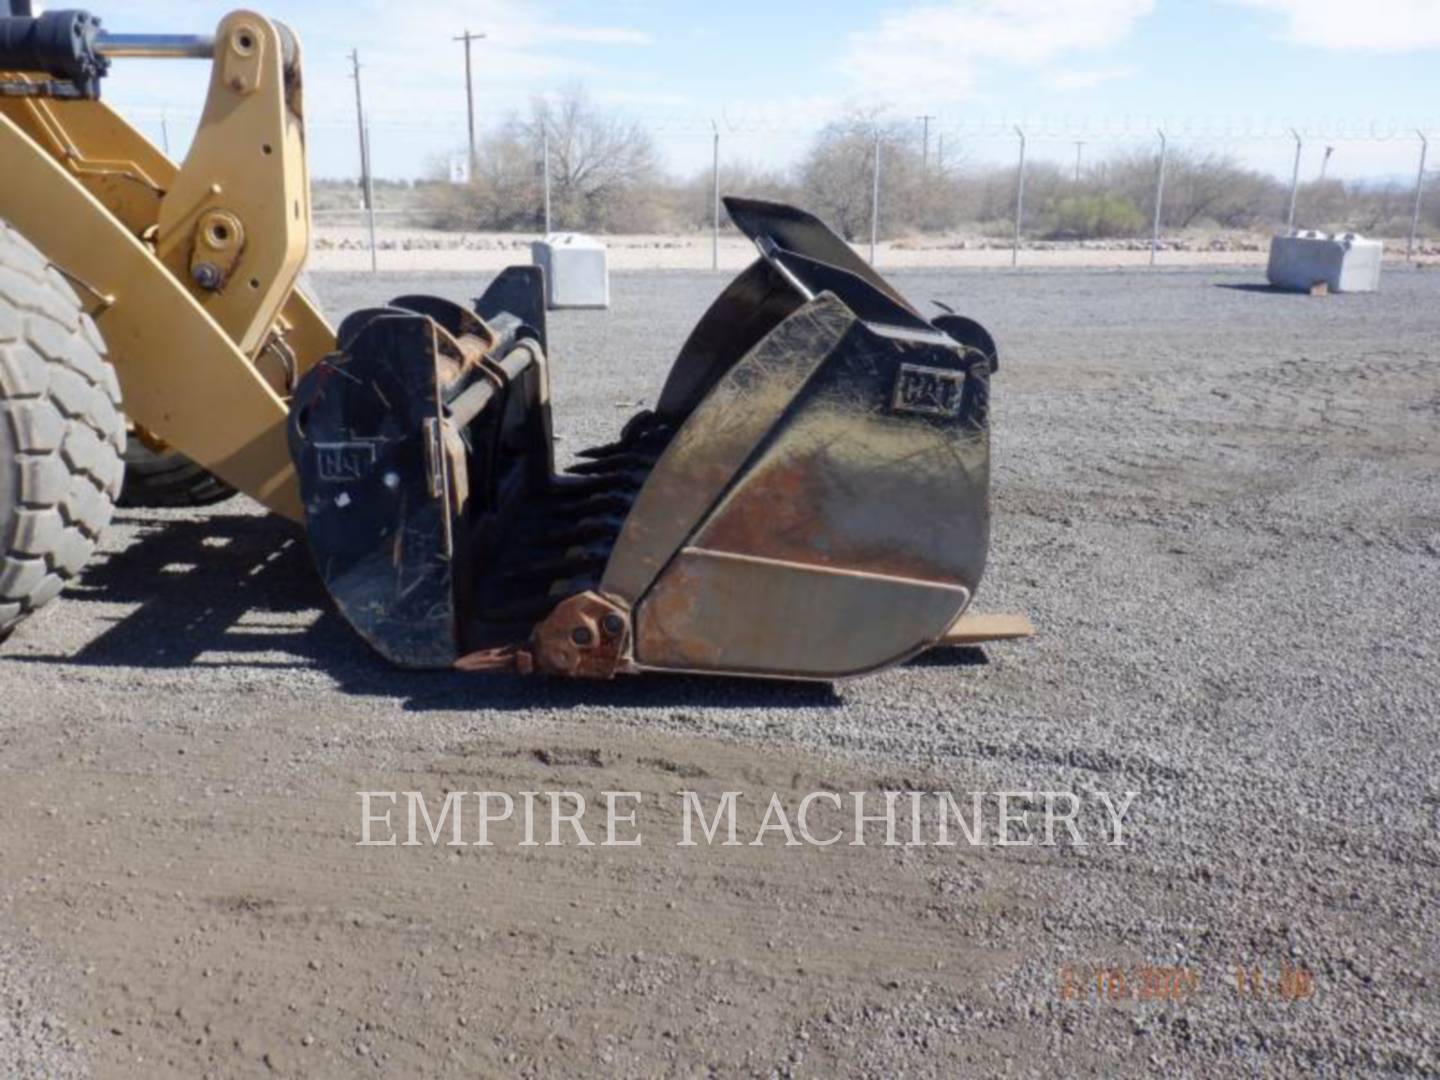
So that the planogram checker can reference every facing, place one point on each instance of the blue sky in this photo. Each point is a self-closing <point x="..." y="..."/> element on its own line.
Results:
<point x="1214" y="72"/>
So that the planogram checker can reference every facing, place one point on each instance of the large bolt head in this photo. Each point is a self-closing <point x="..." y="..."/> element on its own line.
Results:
<point x="206" y="275"/>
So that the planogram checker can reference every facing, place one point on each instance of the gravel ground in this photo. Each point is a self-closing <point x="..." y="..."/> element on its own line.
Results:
<point x="34" y="1041"/>
<point x="1220" y="506"/>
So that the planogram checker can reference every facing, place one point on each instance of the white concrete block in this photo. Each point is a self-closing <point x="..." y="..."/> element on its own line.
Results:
<point x="1345" y="262"/>
<point x="577" y="274"/>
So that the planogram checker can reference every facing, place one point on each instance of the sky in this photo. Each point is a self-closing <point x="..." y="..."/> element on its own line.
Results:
<point x="1225" y="75"/>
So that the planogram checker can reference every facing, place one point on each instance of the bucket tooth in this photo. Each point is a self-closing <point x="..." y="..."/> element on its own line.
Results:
<point x="594" y="453"/>
<point x="566" y="566"/>
<point x="586" y="530"/>
<point x="644" y="432"/>
<point x="627" y="459"/>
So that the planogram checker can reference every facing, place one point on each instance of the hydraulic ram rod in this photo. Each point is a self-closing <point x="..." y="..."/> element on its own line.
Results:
<point x="156" y="46"/>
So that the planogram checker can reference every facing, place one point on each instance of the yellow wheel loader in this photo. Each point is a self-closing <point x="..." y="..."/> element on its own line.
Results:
<point x="808" y="499"/>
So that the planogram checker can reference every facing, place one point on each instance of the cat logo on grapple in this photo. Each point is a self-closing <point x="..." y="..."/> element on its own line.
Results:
<point x="342" y="461"/>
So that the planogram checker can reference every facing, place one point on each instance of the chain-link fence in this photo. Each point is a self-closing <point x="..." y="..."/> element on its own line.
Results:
<point x="1130" y="182"/>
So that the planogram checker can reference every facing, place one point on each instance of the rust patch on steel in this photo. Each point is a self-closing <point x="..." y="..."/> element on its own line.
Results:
<point x="712" y="446"/>
<point x="714" y="611"/>
<point x="811" y="509"/>
<point x="587" y="635"/>
<point x="505" y="659"/>
<point x="669" y="628"/>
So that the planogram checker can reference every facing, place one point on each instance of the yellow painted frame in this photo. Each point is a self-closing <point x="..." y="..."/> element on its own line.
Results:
<point x="128" y="227"/>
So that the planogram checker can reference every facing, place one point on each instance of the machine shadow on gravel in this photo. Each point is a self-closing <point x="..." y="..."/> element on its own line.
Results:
<point x="241" y="589"/>
<point x="950" y="656"/>
<point x="1253" y="287"/>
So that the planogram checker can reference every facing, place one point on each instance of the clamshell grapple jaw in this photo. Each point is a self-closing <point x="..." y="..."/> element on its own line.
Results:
<point x="808" y="499"/>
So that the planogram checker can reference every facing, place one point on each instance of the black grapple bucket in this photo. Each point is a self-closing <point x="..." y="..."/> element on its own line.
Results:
<point x="808" y="499"/>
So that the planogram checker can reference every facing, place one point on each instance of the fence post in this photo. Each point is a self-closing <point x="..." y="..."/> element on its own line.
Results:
<point x="1159" y="196"/>
<point x="1019" y="200"/>
<point x="715" y="232"/>
<point x="1419" y="190"/>
<point x="370" y="201"/>
<point x="1294" y="182"/>
<point x="875" y="199"/>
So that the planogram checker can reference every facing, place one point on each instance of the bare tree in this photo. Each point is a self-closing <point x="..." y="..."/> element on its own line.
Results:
<point x="837" y="174"/>
<point x="604" y="173"/>
<point x="694" y="197"/>
<point x="602" y="164"/>
<point x="836" y="178"/>
<point x="605" y="176"/>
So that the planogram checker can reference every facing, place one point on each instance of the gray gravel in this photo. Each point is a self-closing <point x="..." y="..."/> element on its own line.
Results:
<point x="35" y="1039"/>
<point x="1221" y="508"/>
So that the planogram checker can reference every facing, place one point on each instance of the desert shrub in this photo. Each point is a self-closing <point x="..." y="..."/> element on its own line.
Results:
<point x="1097" y="216"/>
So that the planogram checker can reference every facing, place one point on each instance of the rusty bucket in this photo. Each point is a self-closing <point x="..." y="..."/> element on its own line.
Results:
<point x="808" y="499"/>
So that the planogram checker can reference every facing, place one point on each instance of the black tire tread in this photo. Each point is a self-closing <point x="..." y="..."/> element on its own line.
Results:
<point x="62" y="435"/>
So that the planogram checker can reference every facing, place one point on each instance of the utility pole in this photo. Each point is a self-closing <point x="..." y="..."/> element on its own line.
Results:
<point x="360" y="127"/>
<point x="1078" y="147"/>
<point x="715" y="170"/>
<point x="925" y="151"/>
<point x="467" y="38"/>
<point x="1325" y="161"/>
<point x="165" y="132"/>
<point x="366" y="187"/>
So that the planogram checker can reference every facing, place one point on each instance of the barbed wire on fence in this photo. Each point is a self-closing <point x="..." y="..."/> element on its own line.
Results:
<point x="1129" y="127"/>
<point x="1164" y="135"/>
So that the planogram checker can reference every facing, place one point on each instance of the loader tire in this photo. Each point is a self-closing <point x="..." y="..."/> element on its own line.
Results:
<point x="164" y="478"/>
<point x="62" y="436"/>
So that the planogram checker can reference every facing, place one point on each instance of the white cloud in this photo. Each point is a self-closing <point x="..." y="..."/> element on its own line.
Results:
<point x="412" y="67"/>
<point x="599" y="35"/>
<point x="1376" y="25"/>
<point x="659" y="99"/>
<point x="1085" y="78"/>
<point x="413" y="71"/>
<point x="937" y="52"/>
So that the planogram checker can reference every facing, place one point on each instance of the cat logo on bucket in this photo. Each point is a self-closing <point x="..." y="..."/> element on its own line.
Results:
<point x="927" y="390"/>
